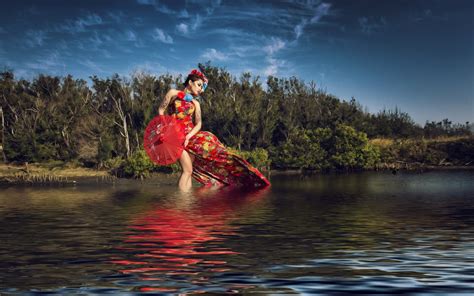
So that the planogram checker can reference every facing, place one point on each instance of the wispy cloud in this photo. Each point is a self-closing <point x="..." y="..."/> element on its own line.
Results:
<point x="50" y="63"/>
<point x="160" y="35"/>
<point x="95" y="67"/>
<point x="265" y="17"/>
<point x="147" y="67"/>
<point x="138" y="21"/>
<point x="371" y="25"/>
<point x="130" y="35"/>
<point x="116" y="16"/>
<point x="163" y="8"/>
<point x="319" y="12"/>
<point x="95" y="41"/>
<point x="213" y="6"/>
<point x="245" y="45"/>
<point x="106" y="54"/>
<point x="234" y="34"/>
<point x="209" y="5"/>
<point x="246" y="51"/>
<point x="275" y="45"/>
<point x="196" y="22"/>
<point x="35" y="38"/>
<point x="82" y="23"/>
<point x="89" y="20"/>
<point x="186" y="28"/>
<point x="274" y="66"/>
<point x="214" y="55"/>
<point x="157" y="5"/>
<point x="183" y="28"/>
<point x="426" y="14"/>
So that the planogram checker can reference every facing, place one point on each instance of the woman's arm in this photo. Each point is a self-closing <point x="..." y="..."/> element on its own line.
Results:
<point x="166" y="101"/>
<point x="197" y="121"/>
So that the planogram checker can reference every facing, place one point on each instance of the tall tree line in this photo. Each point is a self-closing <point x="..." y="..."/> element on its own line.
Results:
<point x="62" y="118"/>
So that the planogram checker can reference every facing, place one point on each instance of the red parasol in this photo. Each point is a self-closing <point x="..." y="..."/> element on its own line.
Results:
<point x="164" y="139"/>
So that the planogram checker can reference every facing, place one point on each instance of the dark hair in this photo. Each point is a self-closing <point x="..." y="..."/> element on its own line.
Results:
<point x="193" y="78"/>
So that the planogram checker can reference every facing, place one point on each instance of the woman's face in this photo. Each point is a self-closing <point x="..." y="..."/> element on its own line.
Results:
<point x="195" y="87"/>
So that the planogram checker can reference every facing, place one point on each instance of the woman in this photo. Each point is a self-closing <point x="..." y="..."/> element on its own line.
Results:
<point x="205" y="158"/>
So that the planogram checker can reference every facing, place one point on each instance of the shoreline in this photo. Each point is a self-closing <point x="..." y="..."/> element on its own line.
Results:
<point x="40" y="174"/>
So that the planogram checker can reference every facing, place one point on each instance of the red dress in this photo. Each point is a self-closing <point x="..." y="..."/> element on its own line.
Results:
<point x="213" y="162"/>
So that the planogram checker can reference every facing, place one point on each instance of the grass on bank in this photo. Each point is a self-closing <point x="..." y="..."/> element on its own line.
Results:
<point x="47" y="172"/>
<point x="437" y="152"/>
<point x="384" y="142"/>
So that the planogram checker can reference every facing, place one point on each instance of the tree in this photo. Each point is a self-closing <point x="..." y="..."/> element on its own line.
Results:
<point x="113" y="100"/>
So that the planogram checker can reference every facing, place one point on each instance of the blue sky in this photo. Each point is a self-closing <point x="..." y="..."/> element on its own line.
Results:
<point x="417" y="55"/>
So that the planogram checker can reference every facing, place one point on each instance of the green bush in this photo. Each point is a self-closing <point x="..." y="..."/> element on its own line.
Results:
<point x="138" y="165"/>
<point x="343" y="148"/>
<point x="351" y="149"/>
<point x="257" y="157"/>
<point x="301" y="150"/>
<point x="168" y="169"/>
<point x="113" y="163"/>
<point x="371" y="156"/>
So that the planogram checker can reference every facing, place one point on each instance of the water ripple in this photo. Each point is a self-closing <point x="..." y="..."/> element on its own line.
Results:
<point x="365" y="234"/>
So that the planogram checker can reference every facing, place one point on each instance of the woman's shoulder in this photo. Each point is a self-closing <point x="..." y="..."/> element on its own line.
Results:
<point x="196" y="103"/>
<point x="172" y="92"/>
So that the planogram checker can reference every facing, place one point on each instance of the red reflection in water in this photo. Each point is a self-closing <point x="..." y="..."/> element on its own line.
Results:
<point x="185" y="238"/>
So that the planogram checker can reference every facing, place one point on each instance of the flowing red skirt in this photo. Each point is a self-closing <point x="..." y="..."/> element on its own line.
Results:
<point x="214" y="164"/>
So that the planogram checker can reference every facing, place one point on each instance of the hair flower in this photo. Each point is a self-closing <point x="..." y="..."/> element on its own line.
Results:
<point x="200" y="74"/>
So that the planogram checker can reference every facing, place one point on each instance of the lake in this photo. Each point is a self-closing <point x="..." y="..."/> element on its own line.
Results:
<point x="361" y="233"/>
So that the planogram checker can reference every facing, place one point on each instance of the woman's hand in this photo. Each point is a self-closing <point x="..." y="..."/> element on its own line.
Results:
<point x="186" y="140"/>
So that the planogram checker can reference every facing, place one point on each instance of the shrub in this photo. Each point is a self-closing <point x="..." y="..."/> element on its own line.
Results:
<point x="257" y="157"/>
<point x="351" y="149"/>
<point x="113" y="163"/>
<point x="138" y="165"/>
<point x="301" y="150"/>
<point x="168" y="169"/>
<point x="343" y="148"/>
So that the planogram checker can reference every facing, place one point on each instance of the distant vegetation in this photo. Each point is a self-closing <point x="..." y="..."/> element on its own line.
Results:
<point x="285" y="124"/>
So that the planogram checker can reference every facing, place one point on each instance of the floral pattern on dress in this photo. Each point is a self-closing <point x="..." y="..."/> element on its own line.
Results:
<point x="183" y="111"/>
<point x="213" y="163"/>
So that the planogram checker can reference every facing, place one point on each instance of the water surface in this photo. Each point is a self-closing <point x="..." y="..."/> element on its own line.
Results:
<point x="361" y="233"/>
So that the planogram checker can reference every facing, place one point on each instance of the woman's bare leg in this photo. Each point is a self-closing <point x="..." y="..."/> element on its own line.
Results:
<point x="190" y="179"/>
<point x="185" y="181"/>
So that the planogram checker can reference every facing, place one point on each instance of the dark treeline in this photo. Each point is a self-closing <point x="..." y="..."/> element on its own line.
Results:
<point x="62" y="118"/>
